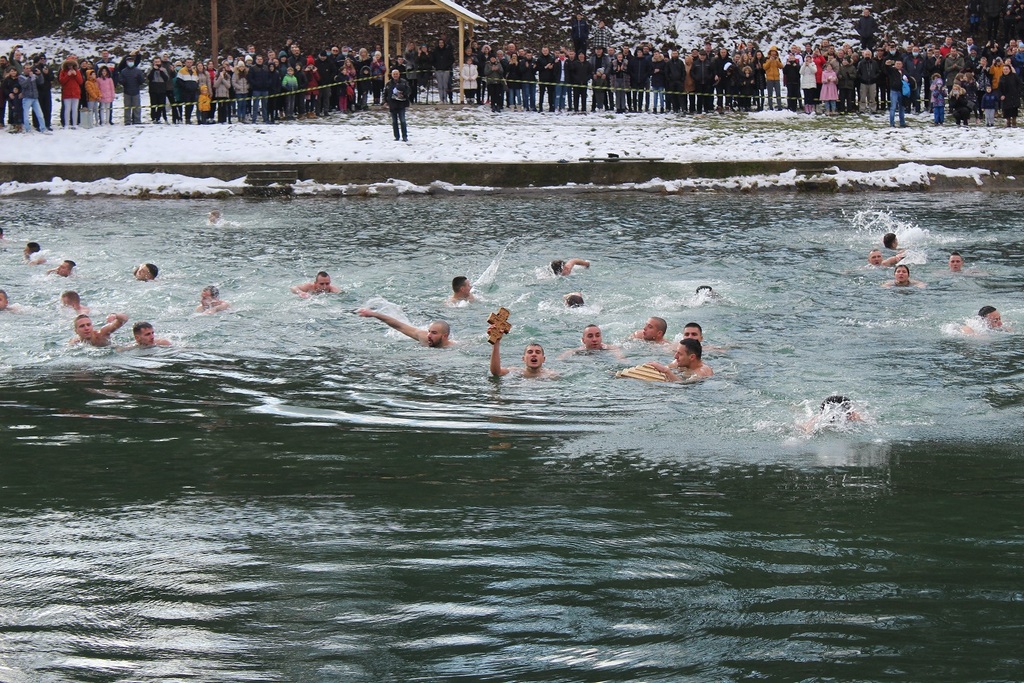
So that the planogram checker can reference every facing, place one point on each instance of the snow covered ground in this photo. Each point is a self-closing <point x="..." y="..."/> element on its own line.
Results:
<point x="475" y="135"/>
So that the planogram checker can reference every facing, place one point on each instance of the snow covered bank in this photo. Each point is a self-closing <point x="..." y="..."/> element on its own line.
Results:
<point x="473" y="136"/>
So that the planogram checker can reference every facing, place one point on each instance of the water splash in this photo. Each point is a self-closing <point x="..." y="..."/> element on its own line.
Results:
<point x="487" y="277"/>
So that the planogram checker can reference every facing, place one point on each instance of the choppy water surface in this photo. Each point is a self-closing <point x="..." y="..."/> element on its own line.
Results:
<point x="294" y="493"/>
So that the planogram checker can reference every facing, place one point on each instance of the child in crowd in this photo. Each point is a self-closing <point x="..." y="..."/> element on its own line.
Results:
<point x="289" y="84"/>
<point x="92" y="90"/>
<point x="829" y="89"/>
<point x="205" y="105"/>
<point x="989" y="104"/>
<point x="938" y="91"/>
<point x="106" y="84"/>
<point x="600" y="86"/>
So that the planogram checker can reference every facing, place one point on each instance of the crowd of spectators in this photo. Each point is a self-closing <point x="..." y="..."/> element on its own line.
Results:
<point x="875" y="74"/>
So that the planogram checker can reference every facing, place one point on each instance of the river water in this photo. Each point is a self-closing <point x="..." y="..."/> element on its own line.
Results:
<point x="294" y="493"/>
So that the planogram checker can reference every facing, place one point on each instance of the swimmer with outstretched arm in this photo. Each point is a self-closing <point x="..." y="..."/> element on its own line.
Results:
<point x="875" y="258"/>
<point x="533" y="361"/>
<point x="435" y="336"/>
<point x="565" y="267"/>
<point x="87" y="334"/>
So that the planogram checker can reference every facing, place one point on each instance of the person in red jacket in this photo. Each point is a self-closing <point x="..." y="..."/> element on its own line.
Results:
<point x="71" y="83"/>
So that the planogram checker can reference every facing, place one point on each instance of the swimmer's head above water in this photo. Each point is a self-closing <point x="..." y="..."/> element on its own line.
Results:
<point x="889" y="241"/>
<point x="145" y="272"/>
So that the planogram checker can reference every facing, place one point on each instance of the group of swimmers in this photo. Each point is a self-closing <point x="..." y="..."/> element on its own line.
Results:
<point x="687" y="364"/>
<point x="988" y="316"/>
<point x="85" y="331"/>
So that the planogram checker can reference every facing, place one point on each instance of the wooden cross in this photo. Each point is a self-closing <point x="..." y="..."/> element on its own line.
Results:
<point x="499" y="323"/>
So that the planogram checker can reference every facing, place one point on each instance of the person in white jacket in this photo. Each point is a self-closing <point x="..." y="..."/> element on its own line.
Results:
<point x="469" y="76"/>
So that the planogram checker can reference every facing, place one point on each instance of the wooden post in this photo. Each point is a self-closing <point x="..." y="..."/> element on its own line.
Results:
<point x="387" y="52"/>
<point x="213" y="33"/>
<point x="462" y="58"/>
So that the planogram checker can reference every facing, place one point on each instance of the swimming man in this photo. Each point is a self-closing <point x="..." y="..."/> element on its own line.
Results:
<point x="145" y="335"/>
<point x="461" y="290"/>
<point x="435" y="336"/>
<point x="64" y="269"/>
<point x="321" y="284"/>
<point x="210" y="301"/>
<point x="533" y="362"/>
<point x="654" y="331"/>
<point x="86" y="333"/>
<point x="688" y="363"/>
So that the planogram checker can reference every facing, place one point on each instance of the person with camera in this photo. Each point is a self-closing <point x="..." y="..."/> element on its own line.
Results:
<point x="222" y="93"/>
<point x="30" y="81"/>
<point x="396" y="95"/>
<point x="71" y="82"/>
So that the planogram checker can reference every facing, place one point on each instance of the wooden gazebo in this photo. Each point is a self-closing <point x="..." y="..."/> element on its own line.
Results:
<point x="395" y="15"/>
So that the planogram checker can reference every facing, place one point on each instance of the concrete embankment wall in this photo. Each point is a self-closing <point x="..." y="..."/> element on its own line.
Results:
<point x="1004" y="172"/>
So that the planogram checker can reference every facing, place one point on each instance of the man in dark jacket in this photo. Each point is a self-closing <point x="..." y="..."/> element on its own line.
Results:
<point x="866" y="28"/>
<point x="579" y="31"/>
<point x="328" y="70"/>
<point x="580" y="73"/>
<point x="442" y="58"/>
<point x="546" y="76"/>
<point x="259" y="84"/>
<point x="913" y="67"/>
<point x="159" y="80"/>
<point x="675" y="81"/>
<point x="396" y="95"/>
<point x="704" y="80"/>
<point x="131" y="78"/>
<point x="867" y="74"/>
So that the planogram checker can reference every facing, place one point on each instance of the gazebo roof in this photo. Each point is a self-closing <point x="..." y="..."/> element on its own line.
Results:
<point x="408" y="8"/>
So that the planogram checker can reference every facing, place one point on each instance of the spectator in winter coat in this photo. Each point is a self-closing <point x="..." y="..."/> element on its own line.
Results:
<point x="106" y="83"/>
<point x="131" y="78"/>
<point x="71" y="82"/>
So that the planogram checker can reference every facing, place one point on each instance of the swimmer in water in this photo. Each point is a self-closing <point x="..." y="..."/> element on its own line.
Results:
<point x="6" y="305"/>
<point x="875" y="258"/>
<point x="33" y="255"/>
<point x="990" y="320"/>
<point x="889" y="241"/>
<point x="592" y="341"/>
<point x="321" y="284"/>
<point x="835" y="410"/>
<point x="687" y="366"/>
<point x="145" y="272"/>
<point x="86" y="333"/>
<point x="461" y="290"/>
<point x="901" y="278"/>
<point x="573" y="300"/>
<point x="71" y="299"/>
<point x="214" y="218"/>
<point x="210" y="301"/>
<point x="64" y="269"/>
<point x="533" y="361"/>
<point x="565" y="267"/>
<point x="653" y="331"/>
<point x="435" y="336"/>
<point x="956" y="262"/>
<point x="145" y="336"/>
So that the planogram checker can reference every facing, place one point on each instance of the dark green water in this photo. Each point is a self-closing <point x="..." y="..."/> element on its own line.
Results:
<point x="291" y="495"/>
